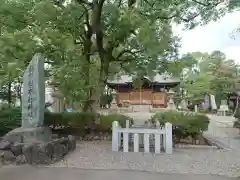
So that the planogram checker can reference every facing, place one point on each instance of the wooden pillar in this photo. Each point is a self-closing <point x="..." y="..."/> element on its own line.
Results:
<point x="117" y="95"/>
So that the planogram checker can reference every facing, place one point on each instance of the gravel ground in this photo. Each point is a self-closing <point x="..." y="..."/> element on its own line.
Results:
<point x="63" y="173"/>
<point x="98" y="155"/>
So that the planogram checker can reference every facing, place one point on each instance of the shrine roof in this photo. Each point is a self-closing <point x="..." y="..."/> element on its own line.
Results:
<point x="158" y="79"/>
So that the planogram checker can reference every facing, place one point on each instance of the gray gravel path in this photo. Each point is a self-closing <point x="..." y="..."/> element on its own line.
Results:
<point x="98" y="155"/>
<point x="31" y="173"/>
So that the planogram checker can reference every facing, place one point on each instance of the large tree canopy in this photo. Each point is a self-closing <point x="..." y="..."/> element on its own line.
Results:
<point x="86" y="42"/>
<point x="207" y="73"/>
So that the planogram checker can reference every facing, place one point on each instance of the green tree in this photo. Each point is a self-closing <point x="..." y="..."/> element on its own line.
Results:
<point x="84" y="41"/>
<point x="212" y="73"/>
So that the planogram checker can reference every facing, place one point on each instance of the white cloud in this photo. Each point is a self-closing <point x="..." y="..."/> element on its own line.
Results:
<point x="233" y="52"/>
<point x="214" y="36"/>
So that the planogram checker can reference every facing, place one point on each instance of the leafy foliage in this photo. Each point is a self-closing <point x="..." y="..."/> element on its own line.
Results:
<point x="106" y="121"/>
<point x="106" y="99"/>
<point x="77" y="123"/>
<point x="203" y="73"/>
<point x="87" y="42"/>
<point x="184" y="124"/>
<point x="237" y="116"/>
<point x="9" y="120"/>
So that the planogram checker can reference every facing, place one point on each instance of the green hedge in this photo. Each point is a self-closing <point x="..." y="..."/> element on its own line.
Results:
<point x="237" y="116"/>
<point x="237" y="124"/>
<point x="9" y="120"/>
<point x="184" y="124"/>
<point x="70" y="119"/>
<point x="76" y="123"/>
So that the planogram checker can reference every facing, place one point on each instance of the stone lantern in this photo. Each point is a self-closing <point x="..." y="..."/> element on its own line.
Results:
<point x="170" y="103"/>
<point x="170" y="93"/>
<point x="57" y="100"/>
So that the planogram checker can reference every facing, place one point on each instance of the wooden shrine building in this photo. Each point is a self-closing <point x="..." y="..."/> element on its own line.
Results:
<point x="153" y="91"/>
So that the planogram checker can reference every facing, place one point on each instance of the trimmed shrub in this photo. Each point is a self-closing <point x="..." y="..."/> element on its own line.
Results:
<point x="75" y="123"/>
<point x="237" y="116"/>
<point x="9" y="120"/>
<point x="185" y="124"/>
<point x="105" y="99"/>
<point x="237" y="124"/>
<point x="82" y="124"/>
<point x="107" y="120"/>
<point x="77" y="119"/>
<point x="53" y="119"/>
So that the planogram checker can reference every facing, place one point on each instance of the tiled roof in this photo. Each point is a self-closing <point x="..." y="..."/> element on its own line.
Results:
<point x="157" y="78"/>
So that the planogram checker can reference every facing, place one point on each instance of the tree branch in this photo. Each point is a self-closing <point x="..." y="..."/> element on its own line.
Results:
<point x="96" y="19"/>
<point x="85" y="2"/>
<point x="190" y="18"/>
<point x="77" y="42"/>
<point x="119" y="3"/>
<point x="201" y="3"/>
<point x="176" y="15"/>
<point x="210" y="5"/>
<point x="126" y="51"/>
<point x="89" y="27"/>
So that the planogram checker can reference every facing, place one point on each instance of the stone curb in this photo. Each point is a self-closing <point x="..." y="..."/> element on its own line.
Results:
<point x="180" y="146"/>
<point x="218" y="143"/>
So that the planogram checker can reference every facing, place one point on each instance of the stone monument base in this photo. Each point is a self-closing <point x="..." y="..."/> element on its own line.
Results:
<point x="27" y="135"/>
<point x="34" y="146"/>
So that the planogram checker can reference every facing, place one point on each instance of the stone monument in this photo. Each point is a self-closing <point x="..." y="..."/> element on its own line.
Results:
<point x="33" y="99"/>
<point x="206" y="103"/>
<point x="33" y="104"/>
<point x="213" y="102"/>
<point x="195" y="108"/>
<point x="32" y="140"/>
<point x="222" y="111"/>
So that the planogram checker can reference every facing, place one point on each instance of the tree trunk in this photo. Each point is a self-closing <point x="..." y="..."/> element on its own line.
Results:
<point x="93" y="102"/>
<point x="94" y="98"/>
<point x="19" y="91"/>
<point x="20" y="94"/>
<point x="87" y="104"/>
<point x="9" y="92"/>
<point x="87" y="53"/>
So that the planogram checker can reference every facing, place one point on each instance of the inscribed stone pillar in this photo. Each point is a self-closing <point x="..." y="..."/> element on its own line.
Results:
<point x="213" y="102"/>
<point x="33" y="99"/>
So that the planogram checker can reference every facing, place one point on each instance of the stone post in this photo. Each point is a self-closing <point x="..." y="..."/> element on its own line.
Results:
<point x="115" y="136"/>
<point x="169" y="141"/>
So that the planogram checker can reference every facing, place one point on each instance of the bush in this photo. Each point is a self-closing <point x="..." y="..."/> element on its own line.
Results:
<point x="105" y="99"/>
<point x="107" y="120"/>
<point x="237" y="116"/>
<point x="9" y="120"/>
<point x="75" y="123"/>
<point x="77" y="119"/>
<point x="185" y="124"/>
<point x="81" y="123"/>
<point x="237" y="113"/>
<point x="237" y="124"/>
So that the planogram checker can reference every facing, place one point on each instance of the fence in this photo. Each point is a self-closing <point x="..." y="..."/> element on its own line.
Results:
<point x="160" y="134"/>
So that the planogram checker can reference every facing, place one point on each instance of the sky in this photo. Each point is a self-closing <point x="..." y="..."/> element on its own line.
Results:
<point x="216" y="35"/>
